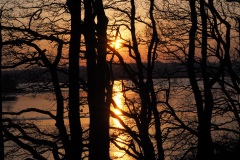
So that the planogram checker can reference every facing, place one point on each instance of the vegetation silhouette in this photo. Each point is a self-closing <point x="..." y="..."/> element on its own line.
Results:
<point x="176" y="73"/>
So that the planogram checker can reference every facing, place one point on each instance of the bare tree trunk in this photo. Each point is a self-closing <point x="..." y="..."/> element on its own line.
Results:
<point x="1" y="124"/>
<point x="60" y="110"/>
<point x="151" y="61"/>
<point x="96" y="68"/>
<point x="74" y="111"/>
<point x="103" y="118"/>
<point x="145" y="114"/>
<point x="204" y="107"/>
<point x="190" y="63"/>
<point x="59" y="97"/>
<point x="90" y="40"/>
<point x="205" y="145"/>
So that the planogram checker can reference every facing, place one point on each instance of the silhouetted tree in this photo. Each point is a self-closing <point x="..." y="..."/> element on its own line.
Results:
<point x="141" y="113"/>
<point x="74" y="105"/>
<point x="95" y="35"/>
<point x="1" y="124"/>
<point x="209" y="63"/>
<point x="25" y="50"/>
<point x="162" y="117"/>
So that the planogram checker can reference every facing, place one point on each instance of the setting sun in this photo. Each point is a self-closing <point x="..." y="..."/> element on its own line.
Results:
<point x="117" y="44"/>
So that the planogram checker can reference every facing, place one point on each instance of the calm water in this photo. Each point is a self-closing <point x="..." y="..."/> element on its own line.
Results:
<point x="46" y="101"/>
<point x="181" y="98"/>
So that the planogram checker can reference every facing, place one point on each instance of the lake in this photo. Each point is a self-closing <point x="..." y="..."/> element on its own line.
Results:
<point x="46" y="101"/>
<point x="181" y="98"/>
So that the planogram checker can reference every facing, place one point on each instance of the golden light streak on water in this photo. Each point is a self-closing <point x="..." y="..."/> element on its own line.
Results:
<point x="118" y="98"/>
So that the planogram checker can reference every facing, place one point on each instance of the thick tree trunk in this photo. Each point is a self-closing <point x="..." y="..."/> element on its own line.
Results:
<point x="1" y="124"/>
<point x="103" y="116"/>
<point x="90" y="40"/>
<point x="96" y="68"/>
<point x="74" y="111"/>
<point x="143" y="127"/>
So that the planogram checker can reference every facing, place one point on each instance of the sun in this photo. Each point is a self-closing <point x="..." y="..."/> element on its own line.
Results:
<point x="117" y="44"/>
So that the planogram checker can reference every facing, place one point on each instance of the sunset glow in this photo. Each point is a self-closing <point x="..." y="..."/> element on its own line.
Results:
<point x="117" y="44"/>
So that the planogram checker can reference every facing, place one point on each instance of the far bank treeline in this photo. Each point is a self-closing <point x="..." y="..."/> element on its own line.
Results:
<point x="161" y="70"/>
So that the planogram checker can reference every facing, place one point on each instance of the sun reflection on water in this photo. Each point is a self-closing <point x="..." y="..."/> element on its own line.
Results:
<point x="119" y="137"/>
<point x="119" y="102"/>
<point x="118" y="98"/>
